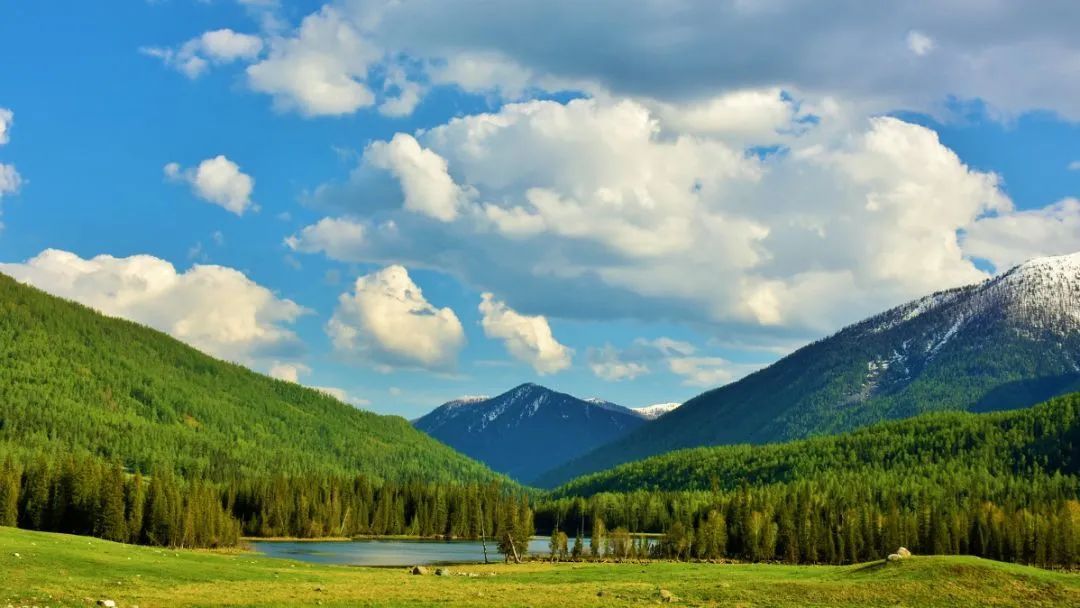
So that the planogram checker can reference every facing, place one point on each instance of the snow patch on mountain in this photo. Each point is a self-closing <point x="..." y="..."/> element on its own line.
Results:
<point x="654" y="411"/>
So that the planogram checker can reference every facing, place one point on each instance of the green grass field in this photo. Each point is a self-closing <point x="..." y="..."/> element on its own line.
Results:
<point x="41" y="569"/>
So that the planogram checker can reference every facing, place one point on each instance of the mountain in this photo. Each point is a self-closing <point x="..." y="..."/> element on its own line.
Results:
<point x="1010" y="341"/>
<point x="949" y="445"/>
<point x="73" y="380"/>
<point x="654" y="411"/>
<point x="528" y="429"/>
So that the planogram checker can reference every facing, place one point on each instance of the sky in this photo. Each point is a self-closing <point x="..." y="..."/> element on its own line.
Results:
<point x="406" y="202"/>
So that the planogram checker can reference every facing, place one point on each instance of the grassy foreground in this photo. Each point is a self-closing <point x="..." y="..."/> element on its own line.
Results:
<point x="42" y="569"/>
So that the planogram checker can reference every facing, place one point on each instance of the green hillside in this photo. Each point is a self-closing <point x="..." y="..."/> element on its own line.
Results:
<point x="73" y="380"/>
<point x="1002" y="485"/>
<point x="58" y="570"/>
<point x="1043" y="439"/>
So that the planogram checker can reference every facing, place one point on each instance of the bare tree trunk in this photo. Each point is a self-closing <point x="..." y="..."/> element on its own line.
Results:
<point x="483" y="540"/>
<point x="344" y="518"/>
<point x="517" y="558"/>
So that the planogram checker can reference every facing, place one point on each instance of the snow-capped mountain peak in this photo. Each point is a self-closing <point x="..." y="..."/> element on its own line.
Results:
<point x="525" y="430"/>
<point x="654" y="411"/>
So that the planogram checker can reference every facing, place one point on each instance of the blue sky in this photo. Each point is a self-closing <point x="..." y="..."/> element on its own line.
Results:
<point x="604" y="184"/>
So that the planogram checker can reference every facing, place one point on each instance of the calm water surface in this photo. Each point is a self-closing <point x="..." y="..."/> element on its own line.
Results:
<point x="391" y="552"/>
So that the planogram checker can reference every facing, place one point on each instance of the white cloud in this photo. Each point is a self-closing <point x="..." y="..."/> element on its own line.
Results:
<point x="213" y="308"/>
<point x="427" y="187"/>
<point x="387" y="321"/>
<point x="6" y="118"/>
<point x="528" y="338"/>
<point x="342" y="395"/>
<point x="1074" y="165"/>
<point x="1011" y="238"/>
<point x="607" y="363"/>
<point x="322" y="70"/>
<point x="679" y="357"/>
<point x="598" y="209"/>
<point x="699" y="51"/>
<point x="213" y="47"/>
<point x="919" y="43"/>
<point x="217" y="180"/>
<point x="289" y="372"/>
<point x="704" y="371"/>
<point x="401" y="95"/>
<point x="10" y="180"/>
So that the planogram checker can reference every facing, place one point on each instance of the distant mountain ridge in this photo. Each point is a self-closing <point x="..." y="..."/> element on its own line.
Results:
<point x="1010" y="341"/>
<point x="528" y="429"/>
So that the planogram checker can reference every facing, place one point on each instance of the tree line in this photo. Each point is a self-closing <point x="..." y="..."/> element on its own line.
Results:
<point x="84" y="494"/>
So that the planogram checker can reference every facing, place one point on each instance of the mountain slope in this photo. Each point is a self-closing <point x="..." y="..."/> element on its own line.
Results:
<point x="1011" y="341"/>
<point x="1044" y="438"/>
<point x="73" y="379"/>
<point x="528" y="429"/>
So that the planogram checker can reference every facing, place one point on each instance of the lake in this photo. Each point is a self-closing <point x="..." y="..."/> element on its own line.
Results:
<point x="391" y="552"/>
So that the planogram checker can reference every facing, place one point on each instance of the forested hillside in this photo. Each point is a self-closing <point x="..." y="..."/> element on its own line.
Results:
<point x="1009" y="342"/>
<point x="1001" y="485"/>
<point x="73" y="380"/>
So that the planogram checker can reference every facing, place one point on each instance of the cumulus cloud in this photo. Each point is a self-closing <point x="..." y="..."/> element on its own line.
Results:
<point x="10" y="180"/>
<point x="696" y="51"/>
<point x="919" y="43"/>
<point x="217" y="180"/>
<point x="195" y="56"/>
<point x="528" y="338"/>
<point x="427" y="187"/>
<point x="704" y="371"/>
<point x="609" y="364"/>
<point x="679" y="357"/>
<point x="598" y="208"/>
<point x="1011" y="238"/>
<point x="289" y="372"/>
<point x="387" y="321"/>
<point x="6" y="118"/>
<point x="321" y="70"/>
<point x="213" y="308"/>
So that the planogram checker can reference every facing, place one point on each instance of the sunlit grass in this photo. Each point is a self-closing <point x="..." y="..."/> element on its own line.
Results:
<point x="61" y="570"/>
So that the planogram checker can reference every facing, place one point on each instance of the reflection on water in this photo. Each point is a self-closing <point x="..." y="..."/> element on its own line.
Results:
<point x="391" y="552"/>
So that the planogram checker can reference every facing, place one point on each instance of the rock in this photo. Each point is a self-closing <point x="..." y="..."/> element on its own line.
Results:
<point x="893" y="557"/>
<point x="419" y="570"/>
<point x="667" y="597"/>
<point x="106" y="603"/>
<point x="903" y="553"/>
<point x="442" y="572"/>
<point x="319" y="589"/>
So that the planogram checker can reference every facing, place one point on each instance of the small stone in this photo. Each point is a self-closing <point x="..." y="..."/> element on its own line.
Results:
<point x="600" y="593"/>
<point x="442" y="572"/>
<point x="893" y="557"/>
<point x="106" y="603"/>
<point x="903" y="553"/>
<point x="16" y="555"/>
<point x="419" y="570"/>
<point x="667" y="597"/>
